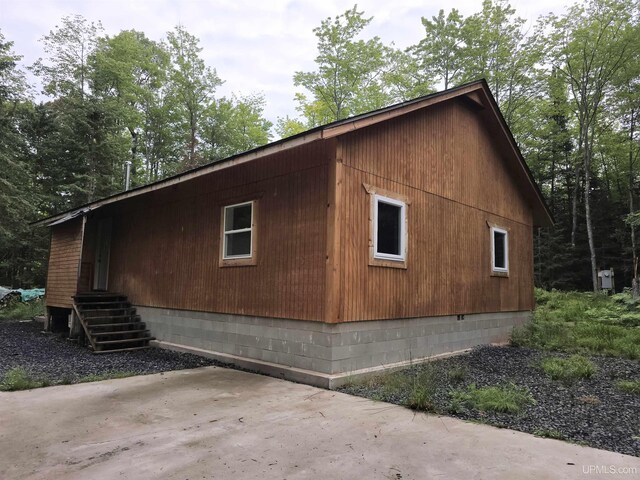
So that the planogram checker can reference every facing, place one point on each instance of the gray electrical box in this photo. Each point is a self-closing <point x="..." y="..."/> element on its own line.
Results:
<point x="605" y="278"/>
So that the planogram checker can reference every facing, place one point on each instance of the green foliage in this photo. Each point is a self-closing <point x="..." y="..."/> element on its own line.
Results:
<point x="549" y="433"/>
<point x="234" y="125"/>
<point x="583" y="323"/>
<point x="457" y="374"/>
<point x="23" y="310"/>
<point x="415" y="387"/>
<point x="570" y="369"/>
<point x="506" y="399"/>
<point x="629" y="386"/>
<point x="349" y="74"/>
<point x="19" y="379"/>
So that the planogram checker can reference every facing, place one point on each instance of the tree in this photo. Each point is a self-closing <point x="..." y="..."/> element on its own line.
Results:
<point x="130" y="75"/>
<point x="592" y="43"/>
<point x="20" y="252"/>
<point x="349" y="75"/>
<point x="441" y="54"/>
<point x="192" y="84"/>
<point x="234" y="125"/>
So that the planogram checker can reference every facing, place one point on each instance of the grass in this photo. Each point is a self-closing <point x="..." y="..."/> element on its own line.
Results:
<point x="414" y="387"/>
<point x="549" y="433"/>
<point x="629" y="386"/>
<point x="586" y="323"/>
<point x="19" y="379"/>
<point x="22" y="310"/>
<point x="509" y="398"/>
<point x="457" y="374"/>
<point x="568" y="370"/>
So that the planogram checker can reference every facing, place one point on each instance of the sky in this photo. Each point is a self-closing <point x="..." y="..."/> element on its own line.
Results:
<point x="255" y="46"/>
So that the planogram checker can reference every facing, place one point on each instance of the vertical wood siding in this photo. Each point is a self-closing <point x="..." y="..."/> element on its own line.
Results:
<point x="443" y="160"/>
<point x="166" y="245"/>
<point x="64" y="262"/>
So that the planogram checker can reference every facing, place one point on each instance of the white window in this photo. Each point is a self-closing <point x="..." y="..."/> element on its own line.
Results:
<point x="389" y="228"/>
<point x="499" y="250"/>
<point x="238" y="231"/>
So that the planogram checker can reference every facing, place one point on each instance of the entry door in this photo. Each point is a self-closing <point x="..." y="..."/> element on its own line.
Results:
<point x="103" y="248"/>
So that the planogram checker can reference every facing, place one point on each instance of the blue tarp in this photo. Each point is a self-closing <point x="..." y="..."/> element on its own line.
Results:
<point x="26" y="295"/>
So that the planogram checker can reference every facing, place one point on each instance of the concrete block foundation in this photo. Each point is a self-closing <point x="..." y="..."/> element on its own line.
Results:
<point x="322" y="354"/>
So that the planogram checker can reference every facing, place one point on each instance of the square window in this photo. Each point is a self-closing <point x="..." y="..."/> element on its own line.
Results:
<point x="238" y="231"/>
<point x="500" y="250"/>
<point x="389" y="228"/>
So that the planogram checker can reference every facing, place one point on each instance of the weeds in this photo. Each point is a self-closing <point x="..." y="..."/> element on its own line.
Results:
<point x="583" y="323"/>
<point x="506" y="399"/>
<point x="629" y="386"/>
<point x="457" y="374"/>
<point x="19" y="379"/>
<point x="546" y="433"/>
<point x="570" y="369"/>
<point x="23" y="310"/>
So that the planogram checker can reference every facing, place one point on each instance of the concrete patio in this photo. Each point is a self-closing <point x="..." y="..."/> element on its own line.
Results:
<point x="216" y="423"/>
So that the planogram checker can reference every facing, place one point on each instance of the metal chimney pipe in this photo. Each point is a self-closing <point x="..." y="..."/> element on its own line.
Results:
<point x="127" y="177"/>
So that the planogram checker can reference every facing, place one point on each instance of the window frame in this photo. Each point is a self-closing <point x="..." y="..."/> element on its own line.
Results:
<point x="238" y="260"/>
<point x="499" y="271"/>
<point x="377" y="199"/>
<point x="381" y="259"/>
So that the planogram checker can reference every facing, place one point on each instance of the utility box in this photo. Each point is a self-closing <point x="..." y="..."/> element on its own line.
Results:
<point x="605" y="279"/>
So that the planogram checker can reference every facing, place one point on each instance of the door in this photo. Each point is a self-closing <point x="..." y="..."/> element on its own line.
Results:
<point x="103" y="248"/>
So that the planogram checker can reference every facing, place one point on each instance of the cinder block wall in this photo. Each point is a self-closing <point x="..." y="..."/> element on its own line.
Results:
<point x="324" y="351"/>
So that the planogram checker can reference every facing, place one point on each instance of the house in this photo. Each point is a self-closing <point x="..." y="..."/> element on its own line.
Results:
<point x="370" y="242"/>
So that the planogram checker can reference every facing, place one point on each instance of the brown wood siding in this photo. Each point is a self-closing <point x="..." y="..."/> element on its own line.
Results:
<point x="64" y="262"/>
<point x="445" y="163"/>
<point x="166" y="245"/>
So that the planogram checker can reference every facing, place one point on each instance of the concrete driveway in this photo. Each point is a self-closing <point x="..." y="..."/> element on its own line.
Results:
<point x="220" y="423"/>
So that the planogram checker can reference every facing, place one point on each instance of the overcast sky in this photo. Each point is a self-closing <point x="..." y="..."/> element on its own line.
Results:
<point x="255" y="46"/>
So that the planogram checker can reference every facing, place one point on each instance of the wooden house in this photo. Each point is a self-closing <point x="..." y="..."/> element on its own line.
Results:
<point x="370" y="242"/>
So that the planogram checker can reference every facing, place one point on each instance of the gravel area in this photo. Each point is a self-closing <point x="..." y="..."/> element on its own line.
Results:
<point x="591" y="411"/>
<point x="51" y="356"/>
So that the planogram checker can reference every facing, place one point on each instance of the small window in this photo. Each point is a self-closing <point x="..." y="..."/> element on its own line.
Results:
<point x="389" y="228"/>
<point x="500" y="250"/>
<point x="238" y="231"/>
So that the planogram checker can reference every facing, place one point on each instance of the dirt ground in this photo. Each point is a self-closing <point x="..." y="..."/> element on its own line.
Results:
<point x="214" y="422"/>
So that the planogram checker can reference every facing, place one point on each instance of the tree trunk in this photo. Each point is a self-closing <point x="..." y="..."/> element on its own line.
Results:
<point x="587" y="213"/>
<point x="574" y="206"/>
<point x="635" y="287"/>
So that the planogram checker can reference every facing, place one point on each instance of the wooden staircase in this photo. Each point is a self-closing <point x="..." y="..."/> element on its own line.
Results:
<point x="110" y="323"/>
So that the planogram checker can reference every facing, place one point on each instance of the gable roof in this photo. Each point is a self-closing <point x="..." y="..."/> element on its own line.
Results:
<point x="477" y="93"/>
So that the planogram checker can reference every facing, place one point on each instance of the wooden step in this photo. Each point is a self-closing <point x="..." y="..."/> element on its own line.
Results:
<point x="125" y="340"/>
<point x="144" y="347"/>
<point x="119" y="332"/>
<point x="84" y="305"/>
<point x="106" y="317"/>
<point x="101" y="312"/>
<point x="113" y="325"/>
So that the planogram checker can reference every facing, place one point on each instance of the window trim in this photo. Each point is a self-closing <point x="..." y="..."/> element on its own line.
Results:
<point x="499" y="271"/>
<point x="377" y="199"/>
<point x="238" y="260"/>
<point x="386" y="260"/>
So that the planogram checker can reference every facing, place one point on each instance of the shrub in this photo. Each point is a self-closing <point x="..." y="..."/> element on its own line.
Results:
<point x="507" y="398"/>
<point x="568" y="369"/>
